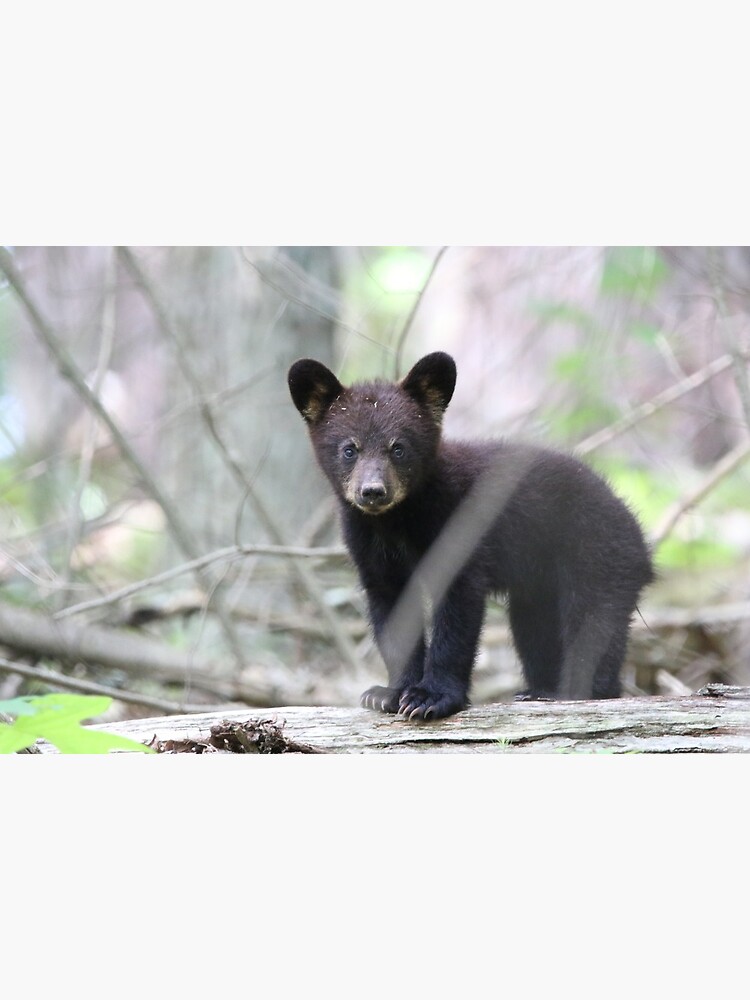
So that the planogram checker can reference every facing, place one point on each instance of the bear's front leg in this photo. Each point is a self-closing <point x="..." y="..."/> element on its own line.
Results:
<point x="431" y="701"/>
<point x="381" y="699"/>
<point x="444" y="686"/>
<point x="405" y="667"/>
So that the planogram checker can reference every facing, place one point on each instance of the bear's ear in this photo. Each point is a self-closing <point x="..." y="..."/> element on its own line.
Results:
<point x="313" y="388"/>
<point x="431" y="382"/>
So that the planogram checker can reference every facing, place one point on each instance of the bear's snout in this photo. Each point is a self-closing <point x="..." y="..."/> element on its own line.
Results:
<point x="373" y="491"/>
<point x="374" y="487"/>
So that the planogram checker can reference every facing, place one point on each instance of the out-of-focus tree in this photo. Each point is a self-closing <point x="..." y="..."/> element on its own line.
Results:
<point x="187" y="351"/>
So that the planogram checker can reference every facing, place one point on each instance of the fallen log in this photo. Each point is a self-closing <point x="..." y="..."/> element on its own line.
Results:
<point x="716" y="719"/>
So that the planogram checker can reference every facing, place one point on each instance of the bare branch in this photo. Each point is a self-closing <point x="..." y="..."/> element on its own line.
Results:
<point x="228" y="554"/>
<point x="413" y="313"/>
<point x="658" y="402"/>
<point x="75" y="525"/>
<point x="300" y="291"/>
<point x="724" y="467"/>
<point x="55" y="679"/>
<point x="36" y="633"/>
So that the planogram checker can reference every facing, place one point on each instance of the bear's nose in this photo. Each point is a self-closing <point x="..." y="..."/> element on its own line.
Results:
<point x="373" y="490"/>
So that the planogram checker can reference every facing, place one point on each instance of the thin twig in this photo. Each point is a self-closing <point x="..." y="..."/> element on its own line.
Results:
<point x="228" y="554"/>
<point x="720" y="471"/>
<point x="656" y="403"/>
<point x="410" y="318"/>
<point x="90" y="430"/>
<point x="299" y="301"/>
<point x="54" y="679"/>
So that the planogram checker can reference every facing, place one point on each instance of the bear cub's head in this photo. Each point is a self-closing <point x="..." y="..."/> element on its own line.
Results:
<point x="375" y="441"/>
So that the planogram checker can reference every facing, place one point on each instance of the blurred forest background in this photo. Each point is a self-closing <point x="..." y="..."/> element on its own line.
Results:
<point x="168" y="539"/>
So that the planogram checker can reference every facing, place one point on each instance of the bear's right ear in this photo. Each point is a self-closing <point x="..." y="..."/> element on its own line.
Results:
<point x="431" y="382"/>
<point x="313" y="388"/>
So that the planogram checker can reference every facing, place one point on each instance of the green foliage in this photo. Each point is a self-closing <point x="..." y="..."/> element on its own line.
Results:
<point x="637" y="272"/>
<point x="582" y="420"/>
<point x="57" y="718"/>
<point x="643" y="489"/>
<point x="382" y="287"/>
<point x="646" y="332"/>
<point x="650" y="493"/>
<point x="592" y="406"/>
<point x="400" y="269"/>
<point x="700" y="553"/>
<point x="14" y="491"/>
<point x="563" y="312"/>
<point x="573" y="366"/>
<point x="585" y="403"/>
<point x="144" y="549"/>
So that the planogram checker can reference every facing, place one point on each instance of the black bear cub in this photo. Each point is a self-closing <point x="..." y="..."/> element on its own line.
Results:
<point x="434" y="526"/>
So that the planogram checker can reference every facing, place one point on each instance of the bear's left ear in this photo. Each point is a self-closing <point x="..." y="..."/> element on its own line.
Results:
<point x="431" y="382"/>
<point x="313" y="388"/>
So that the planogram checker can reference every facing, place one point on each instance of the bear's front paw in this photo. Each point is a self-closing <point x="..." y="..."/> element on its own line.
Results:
<point x="428" y="701"/>
<point x="382" y="699"/>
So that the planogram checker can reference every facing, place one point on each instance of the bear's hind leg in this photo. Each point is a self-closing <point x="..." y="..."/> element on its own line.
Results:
<point x="607" y="674"/>
<point x="535" y="624"/>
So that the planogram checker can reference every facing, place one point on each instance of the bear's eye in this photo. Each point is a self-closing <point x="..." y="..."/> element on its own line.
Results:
<point x="398" y="451"/>
<point x="349" y="452"/>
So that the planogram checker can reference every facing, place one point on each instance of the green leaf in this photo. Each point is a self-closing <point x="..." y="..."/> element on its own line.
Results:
<point x="633" y="271"/>
<point x="571" y="365"/>
<point x="57" y="719"/>
<point x="11" y="740"/>
<point x="82" y="740"/>
<point x="645" y="332"/>
<point x="563" y="312"/>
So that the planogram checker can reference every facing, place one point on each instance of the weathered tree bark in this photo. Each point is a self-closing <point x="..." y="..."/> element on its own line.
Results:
<point x="715" y="720"/>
